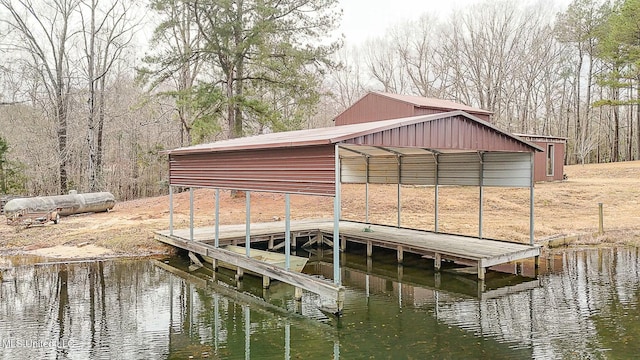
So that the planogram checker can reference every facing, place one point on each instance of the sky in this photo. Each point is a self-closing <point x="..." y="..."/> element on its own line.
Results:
<point x="363" y="19"/>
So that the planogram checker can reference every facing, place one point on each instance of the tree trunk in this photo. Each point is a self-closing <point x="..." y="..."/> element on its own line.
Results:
<point x="91" y="120"/>
<point x="615" y="150"/>
<point x="62" y="140"/>
<point x="638" y="122"/>
<point x="231" y="123"/>
<point x="100" y="135"/>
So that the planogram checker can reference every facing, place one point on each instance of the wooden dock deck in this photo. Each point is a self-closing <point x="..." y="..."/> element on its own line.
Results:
<point x="471" y="251"/>
<point x="466" y="250"/>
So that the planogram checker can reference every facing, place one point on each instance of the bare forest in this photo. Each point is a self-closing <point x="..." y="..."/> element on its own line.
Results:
<point x="92" y="91"/>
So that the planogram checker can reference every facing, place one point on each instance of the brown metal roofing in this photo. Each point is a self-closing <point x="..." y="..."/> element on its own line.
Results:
<point x="304" y="170"/>
<point x="433" y="103"/>
<point x="451" y="130"/>
<point x="304" y="162"/>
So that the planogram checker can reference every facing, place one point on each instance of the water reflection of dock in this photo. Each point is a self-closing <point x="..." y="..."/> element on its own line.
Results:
<point x="421" y="285"/>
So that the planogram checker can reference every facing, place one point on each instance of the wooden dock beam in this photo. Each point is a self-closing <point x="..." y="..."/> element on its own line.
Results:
<point x="242" y="263"/>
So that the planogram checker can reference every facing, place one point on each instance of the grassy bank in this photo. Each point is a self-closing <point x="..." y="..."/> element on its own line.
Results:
<point x="566" y="213"/>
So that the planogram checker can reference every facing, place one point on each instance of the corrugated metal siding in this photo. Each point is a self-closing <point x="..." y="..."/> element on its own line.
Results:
<point x="353" y="170"/>
<point x="499" y="169"/>
<point x="507" y="169"/>
<point x="429" y="111"/>
<point x="418" y="170"/>
<point x="459" y="169"/>
<point x="303" y="170"/>
<point x="449" y="133"/>
<point x="373" y="107"/>
<point x="383" y="170"/>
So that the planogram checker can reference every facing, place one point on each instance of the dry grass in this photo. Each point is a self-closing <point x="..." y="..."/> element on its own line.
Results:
<point x="563" y="209"/>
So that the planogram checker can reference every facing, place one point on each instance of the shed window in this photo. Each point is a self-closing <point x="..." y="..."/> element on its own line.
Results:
<point x="550" y="159"/>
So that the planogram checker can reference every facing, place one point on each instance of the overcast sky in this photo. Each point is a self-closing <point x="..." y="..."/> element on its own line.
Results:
<point x="368" y="18"/>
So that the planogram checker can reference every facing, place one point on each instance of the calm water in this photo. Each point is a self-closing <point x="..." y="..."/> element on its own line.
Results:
<point x="583" y="305"/>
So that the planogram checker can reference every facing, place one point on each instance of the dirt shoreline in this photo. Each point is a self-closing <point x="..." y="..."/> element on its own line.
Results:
<point x="566" y="214"/>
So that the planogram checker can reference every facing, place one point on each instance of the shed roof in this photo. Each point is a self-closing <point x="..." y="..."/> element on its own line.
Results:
<point x="420" y="101"/>
<point x="533" y="137"/>
<point x="356" y="132"/>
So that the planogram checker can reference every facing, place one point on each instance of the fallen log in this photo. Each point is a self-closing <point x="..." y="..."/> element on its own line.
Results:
<point x="65" y="204"/>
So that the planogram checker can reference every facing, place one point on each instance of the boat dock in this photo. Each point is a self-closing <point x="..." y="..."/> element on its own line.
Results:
<point x="471" y="251"/>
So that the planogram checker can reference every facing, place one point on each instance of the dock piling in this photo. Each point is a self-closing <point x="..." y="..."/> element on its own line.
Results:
<point x="600" y="219"/>
<point x="481" y="271"/>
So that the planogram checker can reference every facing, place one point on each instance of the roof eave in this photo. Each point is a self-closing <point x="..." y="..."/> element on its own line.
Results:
<point x="184" y="151"/>
<point x="478" y="111"/>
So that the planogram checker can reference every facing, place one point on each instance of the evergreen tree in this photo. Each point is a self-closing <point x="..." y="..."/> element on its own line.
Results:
<point x="264" y="59"/>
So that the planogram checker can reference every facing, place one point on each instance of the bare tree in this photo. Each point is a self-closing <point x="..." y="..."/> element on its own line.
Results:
<point x="577" y="27"/>
<point x="416" y="43"/>
<point x="108" y="30"/>
<point x="385" y="65"/>
<point x="346" y="81"/>
<point x="44" y="35"/>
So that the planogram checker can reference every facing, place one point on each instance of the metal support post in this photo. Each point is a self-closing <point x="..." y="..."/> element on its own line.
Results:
<point x="217" y="224"/>
<point x="191" y="214"/>
<point x="287" y="232"/>
<point x="170" y="210"/>
<point x="247" y="239"/>
<point x="336" y="220"/>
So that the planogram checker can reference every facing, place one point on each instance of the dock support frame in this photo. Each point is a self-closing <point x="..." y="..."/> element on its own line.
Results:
<point x="435" y="200"/>
<point x="191" y="213"/>
<point x="336" y="219"/>
<point x="247" y="239"/>
<point x="287" y="232"/>
<point x="481" y="196"/>
<point x="531" y="204"/>
<point x="217" y="223"/>
<point x="170" y="210"/>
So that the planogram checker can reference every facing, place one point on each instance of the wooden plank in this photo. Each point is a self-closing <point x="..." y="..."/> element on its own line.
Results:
<point x="304" y="281"/>
<point x="195" y="260"/>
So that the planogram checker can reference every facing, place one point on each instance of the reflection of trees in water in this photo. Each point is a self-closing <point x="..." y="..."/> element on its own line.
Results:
<point x="102" y="307"/>
<point x="63" y="303"/>
<point x="574" y="311"/>
<point x="133" y="308"/>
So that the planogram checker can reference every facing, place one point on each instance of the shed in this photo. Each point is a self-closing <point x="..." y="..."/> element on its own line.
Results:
<point x="377" y="106"/>
<point x="549" y="164"/>
<point x="383" y="106"/>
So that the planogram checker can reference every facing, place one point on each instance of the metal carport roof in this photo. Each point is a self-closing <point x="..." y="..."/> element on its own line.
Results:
<point x="304" y="161"/>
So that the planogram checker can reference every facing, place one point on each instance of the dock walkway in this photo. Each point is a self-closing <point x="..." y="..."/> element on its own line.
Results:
<point x="467" y="250"/>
